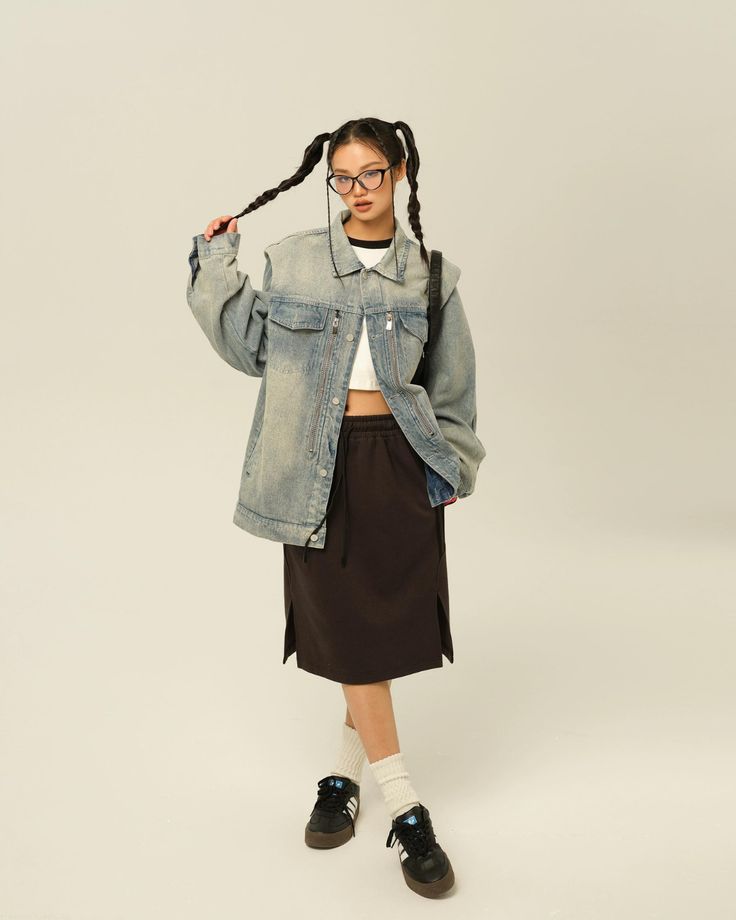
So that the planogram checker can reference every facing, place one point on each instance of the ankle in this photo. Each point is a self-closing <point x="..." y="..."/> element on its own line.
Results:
<point x="393" y="780"/>
<point x="351" y="756"/>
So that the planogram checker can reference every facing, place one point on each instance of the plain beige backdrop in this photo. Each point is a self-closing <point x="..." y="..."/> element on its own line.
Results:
<point x="577" y="162"/>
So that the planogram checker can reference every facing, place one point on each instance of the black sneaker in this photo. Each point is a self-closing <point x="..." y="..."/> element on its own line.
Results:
<point x="427" y="868"/>
<point x="332" y="821"/>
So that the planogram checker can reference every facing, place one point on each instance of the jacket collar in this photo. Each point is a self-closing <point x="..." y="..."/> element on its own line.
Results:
<point x="347" y="261"/>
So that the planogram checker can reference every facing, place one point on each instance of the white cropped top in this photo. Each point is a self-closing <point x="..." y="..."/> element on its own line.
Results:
<point x="363" y="375"/>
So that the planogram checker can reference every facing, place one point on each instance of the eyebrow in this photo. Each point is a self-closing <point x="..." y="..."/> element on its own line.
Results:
<point x="364" y="166"/>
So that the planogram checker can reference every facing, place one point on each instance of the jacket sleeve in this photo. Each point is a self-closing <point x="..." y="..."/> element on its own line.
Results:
<point x="231" y="313"/>
<point x="450" y="385"/>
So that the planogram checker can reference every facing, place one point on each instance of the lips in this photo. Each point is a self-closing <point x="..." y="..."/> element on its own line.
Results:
<point x="362" y="204"/>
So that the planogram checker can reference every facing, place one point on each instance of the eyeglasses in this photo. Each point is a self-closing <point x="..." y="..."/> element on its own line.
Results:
<point x="370" y="181"/>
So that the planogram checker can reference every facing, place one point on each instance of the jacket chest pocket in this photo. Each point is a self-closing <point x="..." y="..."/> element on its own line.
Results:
<point x="295" y="334"/>
<point x="414" y="323"/>
<point x="410" y="330"/>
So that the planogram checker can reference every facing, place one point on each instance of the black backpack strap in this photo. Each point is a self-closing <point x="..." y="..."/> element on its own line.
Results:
<point x="434" y="314"/>
<point x="435" y="286"/>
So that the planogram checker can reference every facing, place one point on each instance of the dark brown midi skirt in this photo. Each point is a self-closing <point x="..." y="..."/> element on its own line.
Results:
<point x="372" y="604"/>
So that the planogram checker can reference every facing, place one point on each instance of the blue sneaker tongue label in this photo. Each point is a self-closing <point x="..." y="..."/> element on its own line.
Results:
<point x="412" y="819"/>
<point x="337" y="782"/>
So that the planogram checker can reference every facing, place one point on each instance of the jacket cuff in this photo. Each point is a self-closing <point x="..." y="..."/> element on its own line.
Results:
<point x="225" y="242"/>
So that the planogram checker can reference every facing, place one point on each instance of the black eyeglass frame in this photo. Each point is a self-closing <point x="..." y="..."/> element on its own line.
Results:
<point x="383" y="170"/>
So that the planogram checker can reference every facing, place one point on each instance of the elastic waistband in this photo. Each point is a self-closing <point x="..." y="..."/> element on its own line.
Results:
<point x="381" y="422"/>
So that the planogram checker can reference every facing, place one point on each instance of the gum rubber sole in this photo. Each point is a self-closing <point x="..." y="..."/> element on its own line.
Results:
<point x="431" y="889"/>
<point x="322" y="841"/>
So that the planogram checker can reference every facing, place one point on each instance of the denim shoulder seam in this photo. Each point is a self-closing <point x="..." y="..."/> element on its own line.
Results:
<point x="298" y="233"/>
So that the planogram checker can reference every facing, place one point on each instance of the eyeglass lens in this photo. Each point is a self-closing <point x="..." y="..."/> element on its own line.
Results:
<point x="371" y="179"/>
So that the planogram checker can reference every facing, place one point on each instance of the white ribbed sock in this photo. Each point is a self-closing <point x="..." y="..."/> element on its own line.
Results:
<point x="351" y="756"/>
<point x="393" y="780"/>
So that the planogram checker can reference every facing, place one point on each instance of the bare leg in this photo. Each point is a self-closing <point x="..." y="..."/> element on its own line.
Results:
<point x="349" y="718"/>
<point x="370" y="712"/>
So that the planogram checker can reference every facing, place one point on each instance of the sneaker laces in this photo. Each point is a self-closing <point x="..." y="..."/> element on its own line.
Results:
<point x="416" y="837"/>
<point x="333" y="798"/>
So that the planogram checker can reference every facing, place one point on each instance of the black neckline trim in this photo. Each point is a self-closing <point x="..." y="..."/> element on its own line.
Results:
<point x="370" y="244"/>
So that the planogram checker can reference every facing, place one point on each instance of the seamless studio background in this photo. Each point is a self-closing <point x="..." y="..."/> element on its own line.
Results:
<point x="577" y="163"/>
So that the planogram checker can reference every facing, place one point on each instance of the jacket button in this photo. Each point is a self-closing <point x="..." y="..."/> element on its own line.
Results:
<point x="323" y="472"/>
<point x="335" y="400"/>
<point x="313" y="536"/>
<point x="350" y="337"/>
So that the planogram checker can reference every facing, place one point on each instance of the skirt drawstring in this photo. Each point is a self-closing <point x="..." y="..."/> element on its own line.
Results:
<point x="341" y="480"/>
<point x="344" y="555"/>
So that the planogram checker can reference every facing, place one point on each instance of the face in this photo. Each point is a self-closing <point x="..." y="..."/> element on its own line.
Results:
<point x="355" y="158"/>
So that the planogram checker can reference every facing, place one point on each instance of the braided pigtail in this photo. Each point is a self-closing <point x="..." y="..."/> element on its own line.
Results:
<point x="412" y="168"/>
<point x="312" y="156"/>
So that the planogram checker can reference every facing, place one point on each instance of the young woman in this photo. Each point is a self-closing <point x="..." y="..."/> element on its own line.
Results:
<point x="349" y="463"/>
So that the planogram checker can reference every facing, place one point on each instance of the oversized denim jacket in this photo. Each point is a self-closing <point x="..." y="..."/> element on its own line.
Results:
<point x="300" y="335"/>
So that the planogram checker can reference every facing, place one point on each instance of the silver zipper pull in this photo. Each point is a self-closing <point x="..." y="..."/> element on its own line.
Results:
<point x="389" y="320"/>
<point x="335" y="321"/>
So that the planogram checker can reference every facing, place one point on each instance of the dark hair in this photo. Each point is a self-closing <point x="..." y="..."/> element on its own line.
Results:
<point x="379" y="135"/>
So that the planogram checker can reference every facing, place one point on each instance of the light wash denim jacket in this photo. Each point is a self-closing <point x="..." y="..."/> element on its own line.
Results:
<point x="300" y="334"/>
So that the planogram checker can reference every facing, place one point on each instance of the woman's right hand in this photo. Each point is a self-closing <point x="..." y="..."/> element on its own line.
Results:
<point x="219" y="225"/>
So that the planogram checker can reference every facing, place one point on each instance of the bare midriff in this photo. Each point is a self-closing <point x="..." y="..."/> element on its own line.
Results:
<point x="366" y="402"/>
